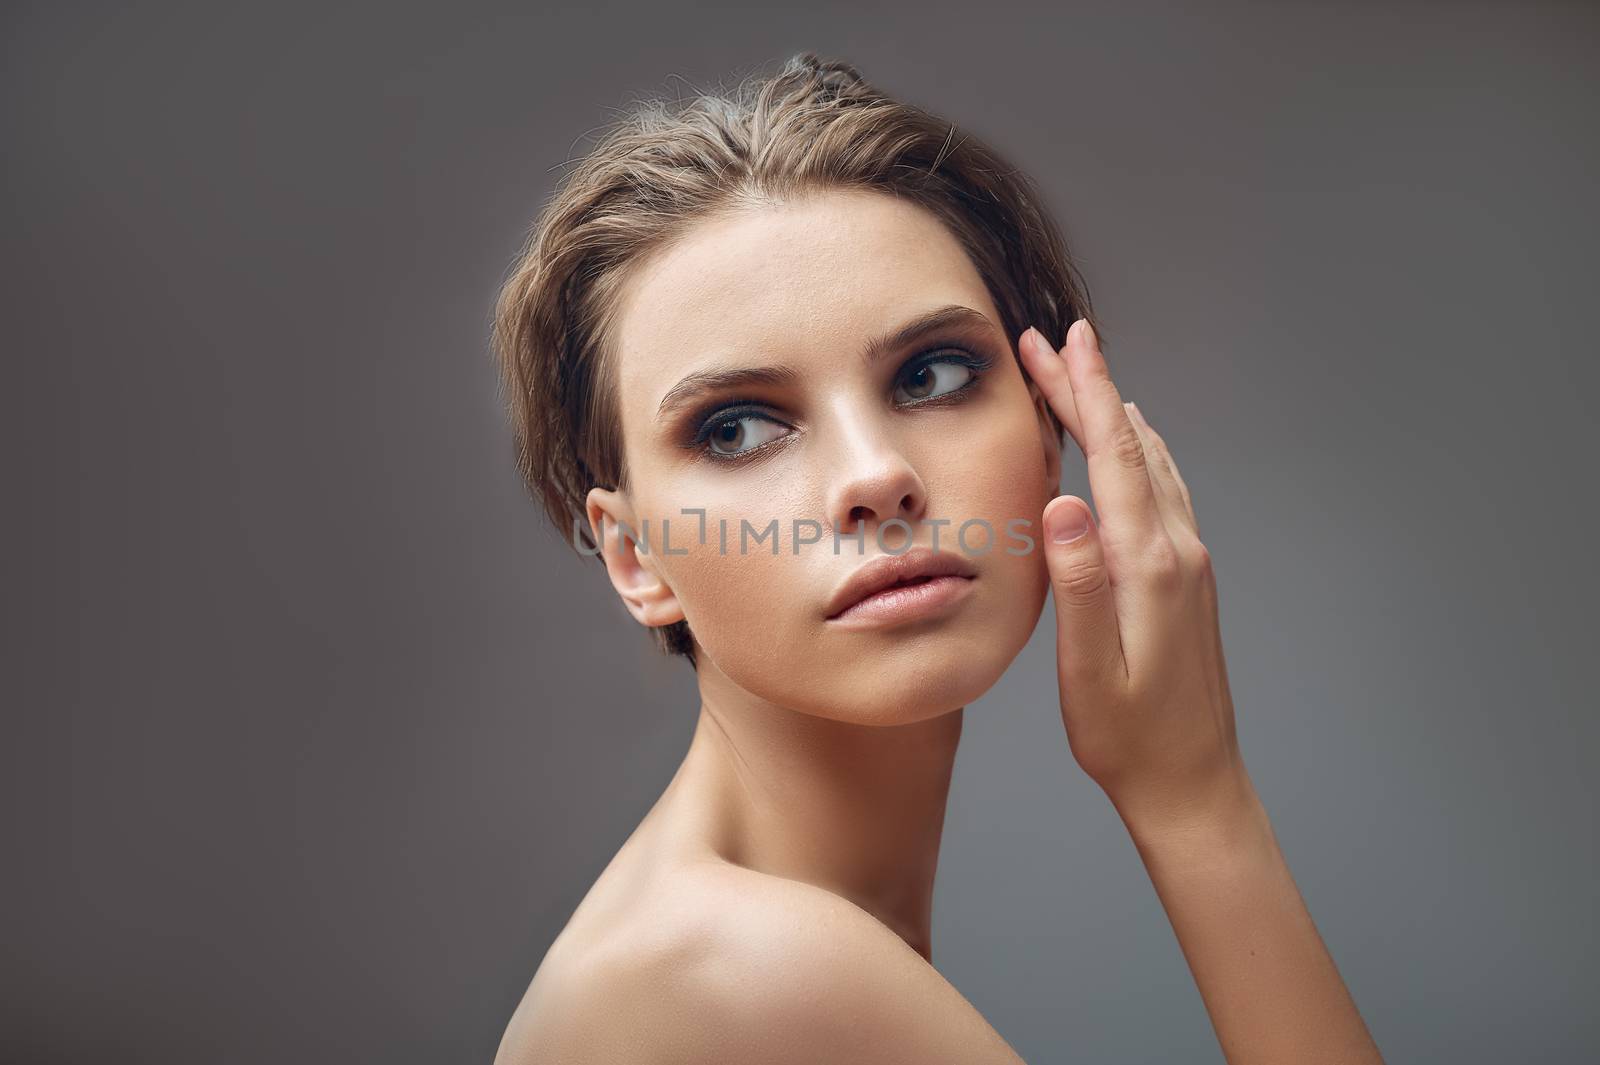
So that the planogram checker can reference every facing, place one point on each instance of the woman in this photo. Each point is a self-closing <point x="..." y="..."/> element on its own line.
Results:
<point x="787" y="363"/>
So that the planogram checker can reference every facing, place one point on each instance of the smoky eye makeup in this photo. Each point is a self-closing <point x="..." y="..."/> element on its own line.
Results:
<point x="708" y="423"/>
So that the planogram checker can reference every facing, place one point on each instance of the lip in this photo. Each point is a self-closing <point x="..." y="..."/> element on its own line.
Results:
<point x="900" y="587"/>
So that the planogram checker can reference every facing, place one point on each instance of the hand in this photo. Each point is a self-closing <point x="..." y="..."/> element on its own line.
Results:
<point x="1144" y="689"/>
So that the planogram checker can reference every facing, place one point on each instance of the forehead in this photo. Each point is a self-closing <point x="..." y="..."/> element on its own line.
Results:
<point x="800" y="283"/>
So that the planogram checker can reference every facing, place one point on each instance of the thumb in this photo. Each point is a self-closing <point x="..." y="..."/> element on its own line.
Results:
<point x="1088" y="639"/>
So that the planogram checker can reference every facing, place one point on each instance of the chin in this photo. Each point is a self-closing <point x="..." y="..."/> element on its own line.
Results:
<point x="893" y="675"/>
<point x="900" y="677"/>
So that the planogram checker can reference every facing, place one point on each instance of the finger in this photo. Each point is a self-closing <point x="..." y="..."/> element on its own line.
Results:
<point x="1118" y="474"/>
<point x="1170" y="501"/>
<point x="1163" y="461"/>
<point x="1088" y="633"/>
<point x="1165" y="468"/>
<point x="1049" y="371"/>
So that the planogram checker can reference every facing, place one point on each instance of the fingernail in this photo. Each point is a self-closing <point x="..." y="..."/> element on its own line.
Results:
<point x="1138" y="415"/>
<point x="1040" y="344"/>
<point x="1089" y="335"/>
<point x="1067" y="522"/>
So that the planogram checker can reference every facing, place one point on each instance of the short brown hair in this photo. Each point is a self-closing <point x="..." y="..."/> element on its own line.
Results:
<point x="816" y="124"/>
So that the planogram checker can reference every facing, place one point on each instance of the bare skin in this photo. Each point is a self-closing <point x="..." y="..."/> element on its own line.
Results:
<point x="774" y="905"/>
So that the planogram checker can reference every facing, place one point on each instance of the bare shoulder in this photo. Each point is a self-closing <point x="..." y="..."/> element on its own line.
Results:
<point x="725" y="964"/>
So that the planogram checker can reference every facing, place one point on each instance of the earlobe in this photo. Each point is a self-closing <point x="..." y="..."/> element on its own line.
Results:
<point x="612" y="524"/>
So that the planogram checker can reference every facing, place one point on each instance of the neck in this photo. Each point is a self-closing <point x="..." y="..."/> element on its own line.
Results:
<point x="851" y="808"/>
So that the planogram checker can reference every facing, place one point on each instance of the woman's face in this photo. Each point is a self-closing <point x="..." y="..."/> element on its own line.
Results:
<point x="937" y="430"/>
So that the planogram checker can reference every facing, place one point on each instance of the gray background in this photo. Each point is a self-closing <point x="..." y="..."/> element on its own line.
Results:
<point x="314" y="735"/>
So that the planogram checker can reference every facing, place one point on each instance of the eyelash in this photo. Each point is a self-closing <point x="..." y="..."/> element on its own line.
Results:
<point x="733" y="410"/>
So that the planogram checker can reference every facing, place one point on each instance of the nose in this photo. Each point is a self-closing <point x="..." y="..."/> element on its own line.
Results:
<point x="874" y="481"/>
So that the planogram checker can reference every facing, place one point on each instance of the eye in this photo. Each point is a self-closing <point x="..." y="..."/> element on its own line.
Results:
<point x="730" y="436"/>
<point x="938" y="377"/>
<point x="734" y="429"/>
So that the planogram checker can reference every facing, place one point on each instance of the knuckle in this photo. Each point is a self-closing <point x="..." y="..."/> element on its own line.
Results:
<point x="1164" y="565"/>
<point x="1158" y="457"/>
<point x="1159" y="450"/>
<point x="1195" y="561"/>
<point x="1080" y="582"/>
<point x="1125" y="447"/>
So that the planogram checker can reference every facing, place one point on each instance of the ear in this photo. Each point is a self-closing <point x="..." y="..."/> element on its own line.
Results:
<point x="1049" y="439"/>
<point x="648" y="597"/>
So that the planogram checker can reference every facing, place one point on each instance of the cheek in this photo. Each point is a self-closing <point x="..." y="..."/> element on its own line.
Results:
<point x="741" y="599"/>
<point x="716" y="588"/>
<point x="996" y="471"/>
<point x="998" y="475"/>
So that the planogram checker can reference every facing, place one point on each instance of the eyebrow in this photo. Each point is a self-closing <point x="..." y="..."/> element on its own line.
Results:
<point x="952" y="316"/>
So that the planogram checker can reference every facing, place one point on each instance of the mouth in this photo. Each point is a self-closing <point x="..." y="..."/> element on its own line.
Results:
<point x="907" y="600"/>
<point x="894" y="588"/>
